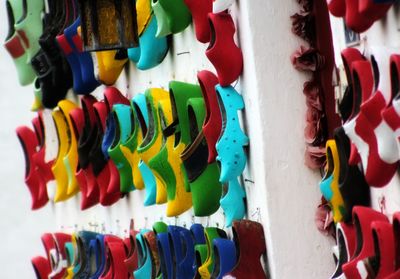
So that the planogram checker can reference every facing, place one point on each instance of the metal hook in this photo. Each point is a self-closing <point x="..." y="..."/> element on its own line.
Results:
<point x="258" y="213"/>
<point x="146" y="219"/>
<point x="208" y="222"/>
<point x="118" y="228"/>
<point x="193" y="219"/>
<point x="176" y="220"/>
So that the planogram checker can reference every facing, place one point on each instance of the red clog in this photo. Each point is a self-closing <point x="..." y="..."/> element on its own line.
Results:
<point x="84" y="175"/>
<point x="250" y="242"/>
<point x="34" y="181"/>
<point x="108" y="177"/>
<point x="131" y="261"/>
<point x="213" y="121"/>
<point x="115" y="258"/>
<point x="382" y="263"/>
<point x="337" y="7"/>
<point x="41" y="266"/>
<point x="44" y="168"/>
<point x="199" y="10"/>
<point x="363" y="218"/>
<point x="222" y="52"/>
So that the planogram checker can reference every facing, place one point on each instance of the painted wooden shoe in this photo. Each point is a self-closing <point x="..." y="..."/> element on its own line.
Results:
<point x="250" y="243"/>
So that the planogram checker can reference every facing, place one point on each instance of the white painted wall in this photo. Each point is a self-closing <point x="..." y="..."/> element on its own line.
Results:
<point x="284" y="190"/>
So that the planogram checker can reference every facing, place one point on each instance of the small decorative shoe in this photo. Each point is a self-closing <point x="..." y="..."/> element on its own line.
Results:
<point x="233" y="202"/>
<point x="187" y="266"/>
<point x="105" y="171"/>
<point x="152" y="50"/>
<point x="123" y="129"/>
<point x="372" y="9"/>
<point x="180" y="269"/>
<point x="97" y="255"/>
<point x="131" y="261"/>
<point x="351" y="102"/>
<point x="22" y="43"/>
<point x="354" y="19"/>
<point x="199" y="11"/>
<point x="163" y="28"/>
<point x="59" y="267"/>
<point x="129" y="146"/>
<point x="212" y="125"/>
<point x="220" y="6"/>
<point x="143" y="177"/>
<point x="159" y="228"/>
<point x="34" y="181"/>
<point x="82" y="265"/>
<point x="222" y="52"/>
<point x="206" y="269"/>
<point x="363" y="218"/>
<point x="329" y="184"/>
<point x="152" y="142"/>
<point x="59" y="169"/>
<point x="29" y="26"/>
<point x="177" y="15"/>
<point x="44" y="168"/>
<point x="89" y="82"/>
<point x="225" y="257"/>
<point x="151" y="242"/>
<point x="115" y="256"/>
<point x="143" y="14"/>
<point x="337" y="7"/>
<point x="396" y="233"/>
<point x="83" y="177"/>
<point x="144" y="265"/>
<point x="165" y="253"/>
<point x="350" y="175"/>
<point x="250" y="243"/>
<point x="345" y="239"/>
<point x="71" y="157"/>
<point x="232" y="139"/>
<point x="109" y="65"/>
<point x="382" y="263"/>
<point x="362" y="82"/>
<point x="87" y="136"/>
<point x="41" y="267"/>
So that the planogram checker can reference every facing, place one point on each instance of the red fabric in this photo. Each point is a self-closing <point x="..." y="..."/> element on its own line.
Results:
<point x="222" y="52"/>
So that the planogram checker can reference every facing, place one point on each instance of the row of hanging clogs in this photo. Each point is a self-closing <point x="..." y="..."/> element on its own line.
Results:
<point x="167" y="143"/>
<point x="368" y="247"/>
<point x="359" y="15"/>
<point x="365" y="151"/>
<point x="52" y="53"/>
<point x="163" y="252"/>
